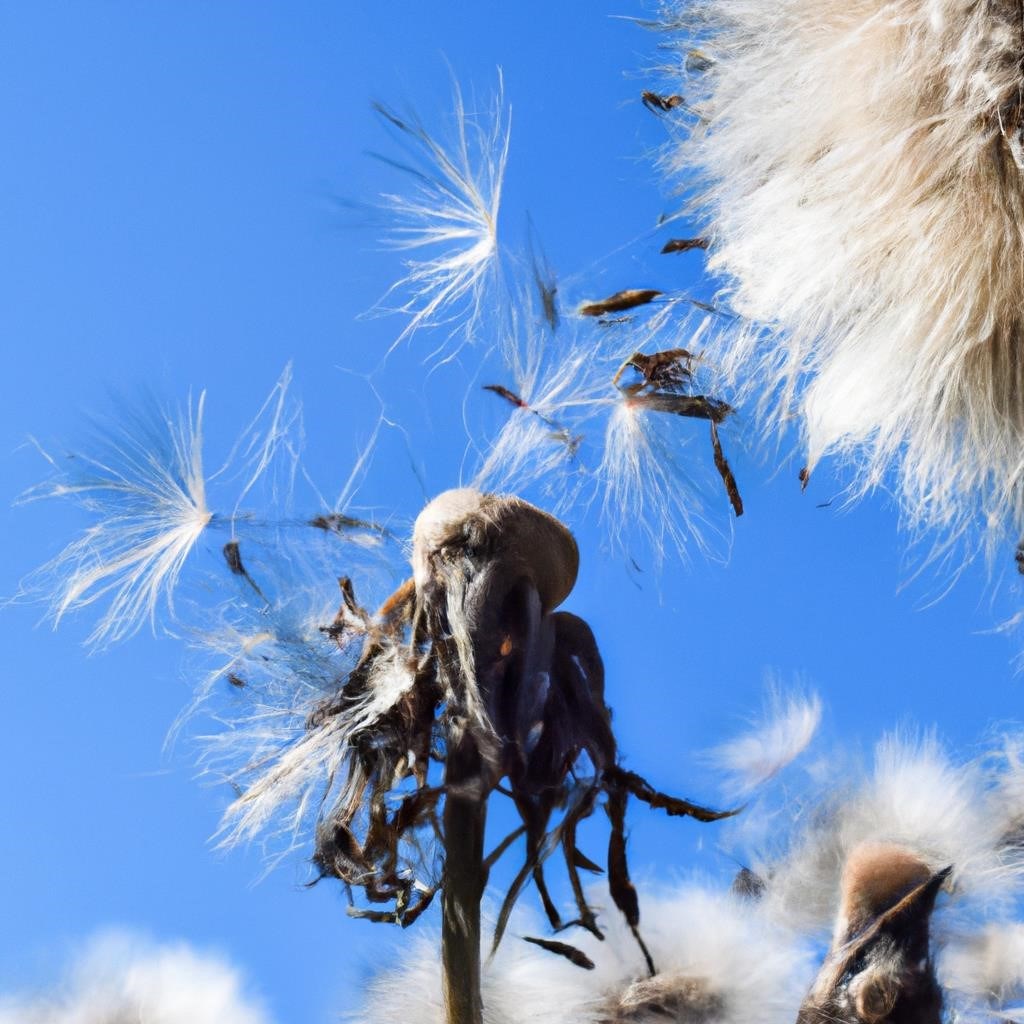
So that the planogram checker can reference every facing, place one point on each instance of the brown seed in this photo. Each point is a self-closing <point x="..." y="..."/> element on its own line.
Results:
<point x="684" y="244"/>
<point x="629" y="298"/>
<point x="657" y="103"/>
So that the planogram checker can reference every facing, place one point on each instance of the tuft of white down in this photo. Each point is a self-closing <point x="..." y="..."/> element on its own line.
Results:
<point x="122" y="977"/>
<point x="917" y="797"/>
<point x="983" y="974"/>
<point x="784" y="731"/>
<point x="715" y="950"/>
<point x="859" y="168"/>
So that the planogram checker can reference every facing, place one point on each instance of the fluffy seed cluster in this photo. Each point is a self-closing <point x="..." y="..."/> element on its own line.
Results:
<point x="121" y="976"/>
<point x="861" y="169"/>
<point x="848" y="853"/>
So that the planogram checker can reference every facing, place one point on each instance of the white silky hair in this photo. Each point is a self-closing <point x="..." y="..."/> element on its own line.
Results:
<point x="656" y="472"/>
<point x="451" y="210"/>
<point x="143" y="485"/>
<point x="983" y="973"/>
<point x="122" y="976"/>
<point x="711" y="947"/>
<point x="560" y="383"/>
<point x="783" y="732"/>
<point x="145" y="490"/>
<point x="271" y="664"/>
<point x="859" y="171"/>
<point x="915" y="796"/>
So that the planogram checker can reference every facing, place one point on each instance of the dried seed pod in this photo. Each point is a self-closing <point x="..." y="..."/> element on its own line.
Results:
<point x="879" y="968"/>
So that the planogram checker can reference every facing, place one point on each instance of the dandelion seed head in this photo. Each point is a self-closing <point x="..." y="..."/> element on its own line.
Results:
<point x="120" y="976"/>
<point x="874" y="253"/>
<point x="915" y="797"/>
<point x="719" y="960"/>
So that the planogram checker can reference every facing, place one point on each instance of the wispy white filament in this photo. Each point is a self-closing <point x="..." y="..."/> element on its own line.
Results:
<point x="450" y="214"/>
<point x="559" y="381"/>
<point x="787" y="726"/>
<point x="145" y="489"/>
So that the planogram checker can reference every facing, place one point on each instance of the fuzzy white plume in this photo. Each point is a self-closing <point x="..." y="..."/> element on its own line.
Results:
<point x="275" y="663"/>
<point x="145" y="490"/>
<point x="143" y="486"/>
<point x="860" y="170"/>
<point x="784" y="731"/>
<point x="719" y="961"/>
<point x="122" y="977"/>
<point x="984" y="974"/>
<point x="557" y="385"/>
<point x="916" y="796"/>
<point x="452" y="211"/>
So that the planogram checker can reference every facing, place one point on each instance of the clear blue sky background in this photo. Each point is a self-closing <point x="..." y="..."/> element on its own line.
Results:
<point x="170" y="220"/>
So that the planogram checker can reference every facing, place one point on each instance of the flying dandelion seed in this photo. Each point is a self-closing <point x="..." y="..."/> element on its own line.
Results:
<point x="145" y="489"/>
<point x="651" y="478"/>
<point x="555" y="388"/>
<point x="879" y="246"/>
<point x="452" y="209"/>
<point x="787" y="727"/>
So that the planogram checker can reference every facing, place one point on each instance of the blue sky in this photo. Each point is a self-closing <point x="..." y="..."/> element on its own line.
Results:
<point x="181" y="206"/>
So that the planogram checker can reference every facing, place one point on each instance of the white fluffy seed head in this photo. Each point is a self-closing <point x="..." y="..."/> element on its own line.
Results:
<point x="943" y="812"/>
<point x="862" y="184"/>
<point x="719" y="961"/>
<point x="123" y="977"/>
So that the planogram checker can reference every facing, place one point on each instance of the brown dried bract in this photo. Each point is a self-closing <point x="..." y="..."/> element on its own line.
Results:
<point x="509" y="396"/>
<point x="669" y="370"/>
<point x="629" y="298"/>
<point x="571" y="953"/>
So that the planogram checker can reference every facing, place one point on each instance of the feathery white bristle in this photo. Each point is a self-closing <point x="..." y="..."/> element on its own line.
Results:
<point x="983" y="974"/>
<point x="123" y="977"/>
<point x="917" y="797"/>
<point x="786" y="728"/>
<point x="283" y="666"/>
<point x="453" y="209"/>
<point x="709" y="946"/>
<point x="538" y="443"/>
<point x="654" y="483"/>
<point x="268" y="449"/>
<point x="145" y="489"/>
<point x="860" y="178"/>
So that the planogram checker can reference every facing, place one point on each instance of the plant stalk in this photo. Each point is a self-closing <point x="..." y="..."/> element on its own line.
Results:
<point x="465" y="876"/>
